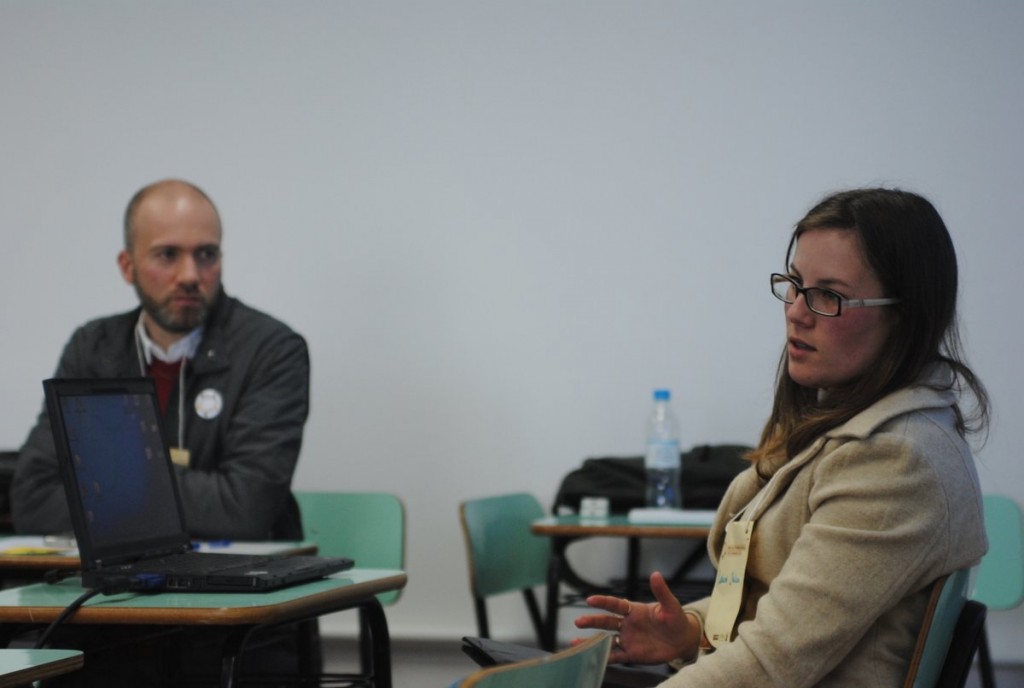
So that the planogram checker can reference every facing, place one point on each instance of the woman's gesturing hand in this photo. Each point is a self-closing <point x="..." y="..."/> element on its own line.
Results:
<point x="645" y="633"/>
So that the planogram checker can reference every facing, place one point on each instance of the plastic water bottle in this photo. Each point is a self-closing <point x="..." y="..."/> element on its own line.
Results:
<point x="662" y="458"/>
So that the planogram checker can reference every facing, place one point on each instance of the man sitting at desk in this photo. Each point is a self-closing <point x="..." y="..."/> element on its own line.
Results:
<point x="233" y="387"/>
<point x="233" y="383"/>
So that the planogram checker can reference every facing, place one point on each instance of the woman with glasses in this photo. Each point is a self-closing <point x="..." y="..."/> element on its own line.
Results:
<point x="862" y="491"/>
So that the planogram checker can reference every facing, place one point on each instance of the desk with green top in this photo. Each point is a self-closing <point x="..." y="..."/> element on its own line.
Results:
<point x="239" y="613"/>
<point x="22" y="667"/>
<point x="564" y="530"/>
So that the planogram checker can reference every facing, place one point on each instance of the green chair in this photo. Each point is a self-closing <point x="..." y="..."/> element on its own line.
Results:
<point x="949" y="635"/>
<point x="1000" y="583"/>
<point x="504" y="556"/>
<point x="579" y="666"/>
<point x="367" y="527"/>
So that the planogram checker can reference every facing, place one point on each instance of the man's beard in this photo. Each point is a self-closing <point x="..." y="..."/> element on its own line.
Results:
<point x="181" y="322"/>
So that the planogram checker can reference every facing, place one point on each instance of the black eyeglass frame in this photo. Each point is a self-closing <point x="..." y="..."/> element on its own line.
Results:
<point x="841" y="302"/>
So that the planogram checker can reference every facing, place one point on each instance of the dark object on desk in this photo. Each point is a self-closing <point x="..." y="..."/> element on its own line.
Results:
<point x="125" y="507"/>
<point x="486" y="652"/>
<point x="707" y="471"/>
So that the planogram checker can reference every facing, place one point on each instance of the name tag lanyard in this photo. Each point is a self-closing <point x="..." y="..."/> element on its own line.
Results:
<point x="727" y="595"/>
<point x="180" y="454"/>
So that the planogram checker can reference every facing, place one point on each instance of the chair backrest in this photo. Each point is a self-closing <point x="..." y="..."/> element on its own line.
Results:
<point x="1000" y="583"/>
<point x="503" y="554"/>
<point x="368" y="527"/>
<point x="579" y="666"/>
<point x="935" y="637"/>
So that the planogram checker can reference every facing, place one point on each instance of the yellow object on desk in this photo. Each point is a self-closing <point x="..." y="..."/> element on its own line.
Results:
<point x="34" y="544"/>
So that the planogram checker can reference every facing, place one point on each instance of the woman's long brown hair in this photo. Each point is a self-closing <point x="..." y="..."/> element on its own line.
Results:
<point x="909" y="249"/>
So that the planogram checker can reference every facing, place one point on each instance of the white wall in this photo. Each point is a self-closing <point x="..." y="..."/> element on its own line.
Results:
<point x="501" y="224"/>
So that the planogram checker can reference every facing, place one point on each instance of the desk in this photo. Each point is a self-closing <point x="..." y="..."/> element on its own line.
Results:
<point x="22" y="667"/>
<point x="242" y="613"/>
<point x="564" y="530"/>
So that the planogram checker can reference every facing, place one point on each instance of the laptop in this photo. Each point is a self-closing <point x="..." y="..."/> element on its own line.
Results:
<point x="125" y="505"/>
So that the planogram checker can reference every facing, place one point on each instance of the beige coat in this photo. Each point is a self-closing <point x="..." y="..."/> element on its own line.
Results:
<point x="849" y="537"/>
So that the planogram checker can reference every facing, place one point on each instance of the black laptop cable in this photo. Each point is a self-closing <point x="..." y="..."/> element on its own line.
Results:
<point x="112" y="586"/>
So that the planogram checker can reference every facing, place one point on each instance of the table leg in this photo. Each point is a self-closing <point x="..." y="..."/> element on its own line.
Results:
<point x="231" y="656"/>
<point x="374" y="650"/>
<point x="549" y="639"/>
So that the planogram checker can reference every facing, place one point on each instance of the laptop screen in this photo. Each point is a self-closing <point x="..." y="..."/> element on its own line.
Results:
<point x="125" y="493"/>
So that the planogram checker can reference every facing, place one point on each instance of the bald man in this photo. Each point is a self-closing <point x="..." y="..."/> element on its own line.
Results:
<point x="233" y="383"/>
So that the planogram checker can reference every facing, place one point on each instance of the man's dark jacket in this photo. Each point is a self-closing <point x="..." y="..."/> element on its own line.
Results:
<point x="238" y="484"/>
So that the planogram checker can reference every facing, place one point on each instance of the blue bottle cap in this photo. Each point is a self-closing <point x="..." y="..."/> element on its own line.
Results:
<point x="662" y="395"/>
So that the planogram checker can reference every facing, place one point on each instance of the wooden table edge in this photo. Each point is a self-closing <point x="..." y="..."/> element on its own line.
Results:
<point x="625" y="530"/>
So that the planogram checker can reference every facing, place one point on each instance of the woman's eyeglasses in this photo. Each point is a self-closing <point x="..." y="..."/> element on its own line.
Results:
<point x="820" y="300"/>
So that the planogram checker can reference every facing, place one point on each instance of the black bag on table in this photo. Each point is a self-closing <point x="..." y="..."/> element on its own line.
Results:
<point x="706" y="472"/>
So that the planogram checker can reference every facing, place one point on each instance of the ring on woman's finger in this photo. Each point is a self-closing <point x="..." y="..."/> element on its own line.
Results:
<point x="618" y="641"/>
<point x="619" y="627"/>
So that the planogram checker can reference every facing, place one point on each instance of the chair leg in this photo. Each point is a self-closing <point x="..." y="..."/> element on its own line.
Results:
<point x="988" y="679"/>
<point x="481" y="617"/>
<point x="535" y="615"/>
